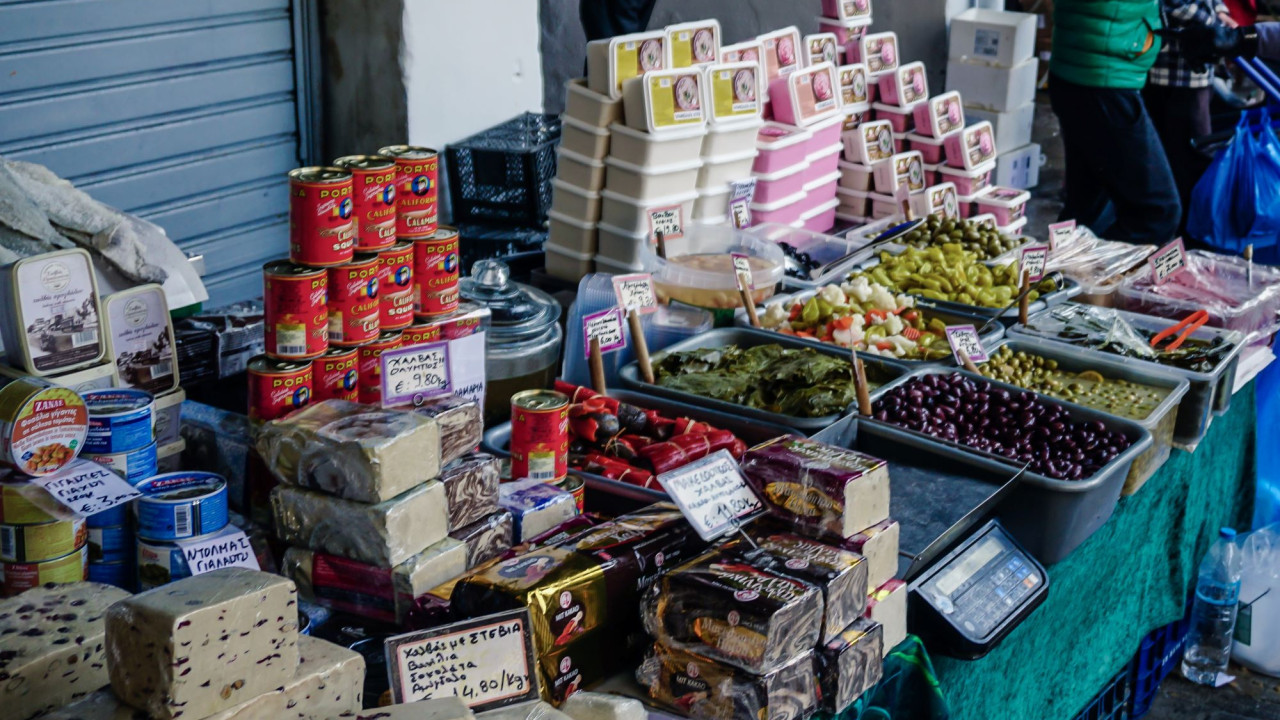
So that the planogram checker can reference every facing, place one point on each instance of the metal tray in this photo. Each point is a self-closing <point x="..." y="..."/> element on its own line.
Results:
<point x="877" y="369"/>
<point x="497" y="439"/>
<point x="1053" y="516"/>
<point x="989" y="338"/>
<point x="1209" y="393"/>
<point x="936" y="494"/>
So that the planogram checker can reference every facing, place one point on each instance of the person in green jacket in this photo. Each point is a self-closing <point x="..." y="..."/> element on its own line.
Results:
<point x="1118" y="180"/>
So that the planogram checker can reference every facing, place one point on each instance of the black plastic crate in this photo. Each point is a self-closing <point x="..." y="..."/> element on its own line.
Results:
<point x="503" y="174"/>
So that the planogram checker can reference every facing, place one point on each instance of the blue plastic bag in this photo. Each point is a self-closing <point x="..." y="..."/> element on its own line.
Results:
<point x="1237" y="202"/>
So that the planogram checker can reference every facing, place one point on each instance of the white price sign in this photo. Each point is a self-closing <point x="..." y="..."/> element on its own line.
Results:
<point x="87" y="488"/>
<point x="231" y="549"/>
<point x="1060" y="233"/>
<point x="712" y="494"/>
<point x="740" y="196"/>
<point x="1033" y="262"/>
<point x="667" y="220"/>
<point x="415" y="373"/>
<point x="635" y="292"/>
<point x="742" y="268"/>
<point x="965" y="338"/>
<point x="1167" y="262"/>
<point x="606" y="326"/>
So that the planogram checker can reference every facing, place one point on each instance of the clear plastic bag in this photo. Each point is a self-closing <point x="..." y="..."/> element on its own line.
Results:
<point x="1098" y="265"/>
<point x="1258" y="622"/>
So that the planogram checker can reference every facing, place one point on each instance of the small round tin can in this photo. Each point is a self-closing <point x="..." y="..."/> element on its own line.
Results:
<point x="18" y="577"/>
<point x="575" y="486"/>
<point x="337" y="375"/>
<point x="373" y="180"/>
<point x="120" y="574"/>
<point x="321" y="228"/>
<point x="277" y="387"/>
<point x="295" y="318"/>
<point x="180" y="505"/>
<point x="436" y="273"/>
<point x="353" y="301"/>
<point x="539" y="435"/>
<point x="42" y="426"/>
<point x="421" y="331"/>
<point x="370" y="366"/>
<point x="118" y="515"/>
<point x="160" y="562"/>
<point x="395" y="286"/>
<point x="110" y="544"/>
<point x="120" y="419"/>
<point x="417" y="174"/>
<point x="41" y="542"/>
<point x="132" y="465"/>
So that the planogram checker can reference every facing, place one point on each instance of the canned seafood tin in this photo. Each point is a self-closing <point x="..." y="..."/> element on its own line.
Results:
<point x="18" y="577"/>
<point x="110" y="544"/>
<point x="370" y="366"/>
<point x="436" y="273"/>
<point x="160" y="563"/>
<point x="120" y="419"/>
<point x="119" y="574"/>
<point x="423" y="330"/>
<point x="539" y="435"/>
<point x="373" y="179"/>
<point x="132" y="465"/>
<point x="118" y="515"/>
<point x="180" y="505"/>
<point x="42" y="426"/>
<point x="395" y="286"/>
<point x="575" y="486"/>
<point x="336" y="375"/>
<point x="417" y="173"/>
<point x="277" y="387"/>
<point x="353" y="301"/>
<point x="37" y="543"/>
<point x="295" y="318"/>
<point x="321" y="228"/>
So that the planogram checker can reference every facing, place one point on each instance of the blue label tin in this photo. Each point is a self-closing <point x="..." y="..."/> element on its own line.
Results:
<point x="132" y="465"/>
<point x="120" y="574"/>
<point x="160" y="563"/>
<point x="116" y="516"/>
<point x="110" y="544"/>
<point x="120" y="419"/>
<point x="181" y="505"/>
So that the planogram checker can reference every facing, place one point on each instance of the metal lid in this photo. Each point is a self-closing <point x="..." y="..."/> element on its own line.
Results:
<point x="320" y="175"/>
<point x="411" y="152"/>
<point x="519" y="312"/>
<point x="365" y="162"/>
<point x="284" y="267"/>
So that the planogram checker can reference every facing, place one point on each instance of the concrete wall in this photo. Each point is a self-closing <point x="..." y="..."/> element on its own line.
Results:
<point x="364" y="98"/>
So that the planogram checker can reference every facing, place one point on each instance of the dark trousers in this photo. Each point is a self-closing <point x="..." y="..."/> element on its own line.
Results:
<point x="1118" y="180"/>
<point x="1179" y="115"/>
<point x="607" y="18"/>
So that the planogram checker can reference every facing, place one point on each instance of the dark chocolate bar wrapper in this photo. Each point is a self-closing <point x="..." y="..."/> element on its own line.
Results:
<point x="841" y="575"/>
<point x="461" y="425"/>
<point x="850" y="664"/>
<point x="708" y="690"/>
<point x="586" y="660"/>
<point x="470" y="488"/>
<point x="487" y="538"/>
<point x="724" y="609"/>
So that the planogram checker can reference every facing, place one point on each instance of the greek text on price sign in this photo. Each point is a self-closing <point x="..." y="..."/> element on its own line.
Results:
<point x="667" y="220"/>
<point x="712" y="494"/>
<point x="741" y="267"/>
<point x="486" y="662"/>
<point x="1060" y="233"/>
<point x="414" y="373"/>
<point x="635" y="292"/>
<point x="231" y="549"/>
<point x="740" y="195"/>
<point x="965" y="337"/>
<point x="87" y="488"/>
<point x="606" y="326"/>
<point x="1034" y="260"/>
<point x="1167" y="262"/>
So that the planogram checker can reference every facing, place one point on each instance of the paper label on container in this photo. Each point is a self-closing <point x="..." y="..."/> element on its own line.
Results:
<point x="742" y="268"/>
<point x="487" y="662"/>
<point x="466" y="367"/>
<point x="633" y="59"/>
<point x="1061" y="232"/>
<point x="815" y="92"/>
<point x="735" y="92"/>
<point x="675" y="100"/>
<point x="712" y="495"/>
<point x="853" y="84"/>
<point x="782" y="54"/>
<point x="142" y="339"/>
<point x="606" y="326"/>
<point x="86" y="488"/>
<point x="635" y="292"/>
<point x="1167" y="262"/>
<point x="741" y="193"/>
<point x="1033" y="261"/>
<point x="694" y="47"/>
<point x="668" y="220"/>
<point x="415" y="373"/>
<point x="965" y="338"/>
<point x="229" y="549"/>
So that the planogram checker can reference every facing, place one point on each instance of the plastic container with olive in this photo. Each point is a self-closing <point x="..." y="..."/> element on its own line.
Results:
<point x="1089" y="387"/>
<point x="952" y="274"/>
<point x="984" y="241"/>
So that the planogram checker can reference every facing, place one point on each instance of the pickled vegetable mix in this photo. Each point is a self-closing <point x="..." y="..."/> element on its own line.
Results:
<point x="950" y="273"/>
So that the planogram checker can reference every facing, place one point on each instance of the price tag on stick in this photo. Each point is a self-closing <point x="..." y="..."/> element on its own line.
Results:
<point x="231" y="549"/>
<point x="1060" y="233"/>
<point x="1167" y="262"/>
<point x="415" y="373"/>
<point x="740" y="194"/>
<point x="668" y="220"/>
<point x="712" y="495"/>
<point x="606" y="327"/>
<point x="635" y="292"/>
<point x="1034" y="260"/>
<point x="87" y="488"/>
<point x="487" y="662"/>
<point x="964" y="339"/>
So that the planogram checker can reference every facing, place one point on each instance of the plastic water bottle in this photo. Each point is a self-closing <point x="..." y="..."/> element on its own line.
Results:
<point x="1213" y="615"/>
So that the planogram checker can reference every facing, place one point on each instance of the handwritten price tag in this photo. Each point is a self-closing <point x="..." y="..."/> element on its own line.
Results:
<point x="742" y="267"/>
<point x="667" y="220"/>
<point x="87" y="488"/>
<point x="605" y="325"/>
<point x="1061" y="232"/>
<point x="965" y="337"/>
<point x="1167" y="262"/>
<point x="230" y="549"/>
<point x="635" y="292"/>
<point x="1034" y="259"/>
<point x="740" y="195"/>
<point x="486" y="662"/>
<point x="712" y="494"/>
<point x="415" y="373"/>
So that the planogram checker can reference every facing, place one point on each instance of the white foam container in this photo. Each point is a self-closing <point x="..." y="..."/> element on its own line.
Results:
<point x="638" y="109"/>
<point x="730" y="138"/>
<point x="855" y="176"/>
<point x="622" y="246"/>
<point x="630" y="215"/>
<point x="570" y="233"/>
<point x="584" y="172"/>
<point x="586" y="140"/>
<point x="722" y="169"/>
<point x="574" y="202"/>
<point x="567" y="264"/>
<point x="823" y="162"/>
<point x="872" y="143"/>
<point x="853" y="202"/>
<point x="644" y="183"/>
<point x="590" y="107"/>
<point x="693" y="43"/>
<point x="897" y="170"/>
<point x="639" y="147"/>
<point x="818" y="219"/>
<point x="605" y="76"/>
<point x="712" y="203"/>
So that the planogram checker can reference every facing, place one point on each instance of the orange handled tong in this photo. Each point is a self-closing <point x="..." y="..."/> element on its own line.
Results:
<point x="1189" y="324"/>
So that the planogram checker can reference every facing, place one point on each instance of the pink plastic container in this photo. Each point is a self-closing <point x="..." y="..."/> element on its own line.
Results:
<point x="821" y="188"/>
<point x="878" y="51"/>
<point x="931" y="176"/>
<point x="823" y="162"/>
<point x="785" y="211"/>
<point x="966" y="203"/>
<point x="972" y="147"/>
<point x="821" y="218"/>
<point x="901" y="119"/>
<point x="853" y="202"/>
<point x="1013" y="229"/>
<point x="1007" y="204"/>
<point x="940" y="116"/>
<point x="968" y="182"/>
<point x="806" y="96"/>
<point x="899" y="143"/>
<point x="904" y="87"/>
<point x="774" y="186"/>
<point x="825" y="133"/>
<point x="931" y="149"/>
<point x="847" y="10"/>
<point x="848" y="33"/>
<point x="855" y="176"/>
<point x="781" y="146"/>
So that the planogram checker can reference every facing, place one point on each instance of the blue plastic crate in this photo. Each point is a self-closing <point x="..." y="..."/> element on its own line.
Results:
<point x="1158" y="655"/>
<point x="1113" y="702"/>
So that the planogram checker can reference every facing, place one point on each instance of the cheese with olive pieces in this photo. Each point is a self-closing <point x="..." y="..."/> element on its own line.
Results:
<point x="385" y="534"/>
<point x="51" y="646"/>
<point x="203" y="644"/>
<point x="449" y="708"/>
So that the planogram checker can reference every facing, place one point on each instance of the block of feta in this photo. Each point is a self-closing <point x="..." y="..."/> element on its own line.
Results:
<point x="352" y="451"/>
<point x="879" y="545"/>
<point x="51" y="646"/>
<point x="850" y="664"/>
<point x="887" y="605"/>
<point x="385" y="534"/>
<point x="471" y="487"/>
<point x="203" y="644"/>
<point x="486" y="538"/>
<point x="536" y="506"/>
<point x="449" y="708"/>
<point x="603" y="706"/>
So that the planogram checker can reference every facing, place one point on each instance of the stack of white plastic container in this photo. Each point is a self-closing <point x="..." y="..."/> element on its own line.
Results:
<point x="735" y="94"/>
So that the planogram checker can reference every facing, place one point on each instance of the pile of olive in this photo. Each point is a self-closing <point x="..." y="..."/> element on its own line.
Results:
<point x="1088" y="388"/>
<point x="984" y="241"/>
<point x="801" y="265"/>
<point x="950" y="273"/>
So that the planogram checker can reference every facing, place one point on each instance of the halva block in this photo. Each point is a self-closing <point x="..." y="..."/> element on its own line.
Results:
<point x="450" y="708"/>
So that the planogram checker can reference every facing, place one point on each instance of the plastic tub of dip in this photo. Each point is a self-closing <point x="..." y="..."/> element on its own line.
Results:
<point x="774" y="186"/>
<point x="781" y="146"/>
<point x="633" y="216"/>
<point x="613" y="61"/>
<point x="931" y="149"/>
<point x="693" y="43"/>
<point x="871" y="143"/>
<point x="820" y="218"/>
<point x="784" y="210"/>
<point x="571" y="233"/>
<point x="590" y="107"/>
<point x="572" y="201"/>
<point x="848" y="33"/>
<point x="847" y="10"/>
<point x="901" y="119"/>
<point x="904" y="168"/>
<point x="822" y="47"/>
<point x="734" y="91"/>
<point x="584" y="139"/>
<point x="940" y="116"/>
<point x="721" y="169"/>
<point x="905" y="86"/>
<point x="968" y="182"/>
<point x="823" y="162"/>
<point x="664" y="101"/>
<point x="698" y="269"/>
<point x="782" y="52"/>
<point x="1007" y="204"/>
<point x="854" y="176"/>
<point x="579" y="170"/>
<point x="724" y="139"/>
<point x="825" y="133"/>
<point x="50" y="318"/>
<point x="878" y="51"/>
<point x="940" y="200"/>
<point x="646" y="183"/>
<point x="806" y="96"/>
<point x="853" y="87"/>
<point x="822" y="188"/>
<point x="649" y="149"/>
<point x="972" y="147"/>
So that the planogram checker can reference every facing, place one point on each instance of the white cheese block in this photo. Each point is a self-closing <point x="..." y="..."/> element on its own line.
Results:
<point x="203" y="644"/>
<point x="603" y="706"/>
<point x="879" y="545"/>
<point x="887" y="605"/>
<point x="537" y="710"/>
<point x="450" y="708"/>
<point x="51" y="646"/>
<point x="431" y="568"/>
<point x="385" y="534"/>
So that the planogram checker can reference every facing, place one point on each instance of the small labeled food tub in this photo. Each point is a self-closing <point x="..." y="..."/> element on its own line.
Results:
<point x="903" y="168"/>
<point x="579" y="170"/>
<point x="712" y="202"/>
<point x="567" y="264"/>
<point x="604" y="73"/>
<point x="901" y="119"/>
<point x="724" y="139"/>
<point x="856" y="203"/>
<point x="625" y="247"/>
<point x="634" y="216"/>
<point x="784" y="183"/>
<point x="1052" y="517"/>
<point x="1008" y="205"/>
<point x="781" y="146"/>
<point x="848" y="32"/>
<point x="723" y="169"/>
<point x="854" y="176"/>
<point x="878" y="371"/>
<point x="931" y="149"/>
<point x="664" y="101"/>
<point x="968" y="182"/>
<point x="806" y="96"/>
<point x="846" y="11"/>
<point x="1013" y="229"/>
<point x="571" y="201"/>
<point x="972" y="147"/>
<point x="883" y="206"/>
<point x="784" y="210"/>
<point x="698" y="269"/>
<point x="584" y="139"/>
<point x="1160" y="422"/>
<point x="940" y="116"/>
<point x="822" y="188"/>
<point x="870" y="143"/>
<point x="647" y="183"/>
<point x="825" y="134"/>
<point x="818" y="218"/>
<point x="1208" y="393"/>
<point x="590" y="107"/>
<point x="905" y="87"/>
<point x="655" y="149"/>
<point x="571" y="233"/>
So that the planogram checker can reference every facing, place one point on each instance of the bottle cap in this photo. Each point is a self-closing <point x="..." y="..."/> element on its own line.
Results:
<point x="1227" y="533"/>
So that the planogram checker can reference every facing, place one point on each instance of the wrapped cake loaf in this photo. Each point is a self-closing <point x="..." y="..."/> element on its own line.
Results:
<point x="850" y="664"/>
<point x="707" y="690"/>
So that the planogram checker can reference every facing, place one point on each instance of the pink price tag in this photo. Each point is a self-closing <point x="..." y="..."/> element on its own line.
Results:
<point x="667" y="220"/>
<point x="965" y="337"/>
<point x="740" y="194"/>
<point x="742" y="267"/>
<point x="635" y="292"/>
<point x="1060" y="233"/>
<point x="606" y="326"/>
<point x="1033" y="261"/>
<point x="1167" y="262"/>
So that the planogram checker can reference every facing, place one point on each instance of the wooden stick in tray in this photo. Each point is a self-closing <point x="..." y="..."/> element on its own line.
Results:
<point x="1024" y="302"/>
<point x="596" y="363"/>
<point x="967" y="363"/>
<point x="860" y="383"/>
<point x="640" y="345"/>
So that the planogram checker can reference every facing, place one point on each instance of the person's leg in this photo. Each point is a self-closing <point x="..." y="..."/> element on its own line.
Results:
<point x="607" y="18"/>
<point x="1084" y="200"/>
<point x="1179" y="115"/>
<point x="1135" y="170"/>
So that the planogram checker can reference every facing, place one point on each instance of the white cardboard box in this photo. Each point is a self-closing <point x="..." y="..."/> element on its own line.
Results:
<point x="994" y="88"/>
<point x="1019" y="168"/>
<point x="1013" y="128"/>
<point x="993" y="37"/>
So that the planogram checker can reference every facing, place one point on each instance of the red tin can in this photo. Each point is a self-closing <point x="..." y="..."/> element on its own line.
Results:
<point x="353" y="301"/>
<point x="277" y="387"/>
<point x="417" y="172"/>
<point x="337" y="375"/>
<point x="421" y="332"/>
<point x="395" y="286"/>
<point x="370" y="365"/>
<point x="539" y="435"/>
<point x="321" y="227"/>
<point x="374" y="190"/>
<point x="435" y="273"/>
<point x="294" y="313"/>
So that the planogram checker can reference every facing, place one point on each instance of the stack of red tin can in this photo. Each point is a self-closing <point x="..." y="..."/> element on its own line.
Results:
<point x="366" y="258"/>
